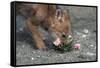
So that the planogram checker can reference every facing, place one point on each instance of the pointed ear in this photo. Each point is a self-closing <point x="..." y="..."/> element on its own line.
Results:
<point x="58" y="13"/>
<point x="66" y="14"/>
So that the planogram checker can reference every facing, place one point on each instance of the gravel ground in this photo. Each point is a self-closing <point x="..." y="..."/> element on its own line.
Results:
<point x="83" y="21"/>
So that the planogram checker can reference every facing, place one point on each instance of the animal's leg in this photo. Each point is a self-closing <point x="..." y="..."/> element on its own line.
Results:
<point x="36" y="36"/>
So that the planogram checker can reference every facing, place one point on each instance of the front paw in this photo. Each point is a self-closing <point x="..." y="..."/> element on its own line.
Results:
<point x="42" y="47"/>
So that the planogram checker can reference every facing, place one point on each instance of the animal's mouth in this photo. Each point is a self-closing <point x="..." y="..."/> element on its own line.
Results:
<point x="63" y="41"/>
<point x="58" y="41"/>
<point x="58" y="38"/>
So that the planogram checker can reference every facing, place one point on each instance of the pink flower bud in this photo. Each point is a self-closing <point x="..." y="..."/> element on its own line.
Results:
<point x="57" y="42"/>
<point x="77" y="46"/>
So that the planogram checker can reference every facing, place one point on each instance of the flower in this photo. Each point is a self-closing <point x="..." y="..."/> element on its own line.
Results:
<point x="77" y="46"/>
<point x="69" y="36"/>
<point x="57" y="42"/>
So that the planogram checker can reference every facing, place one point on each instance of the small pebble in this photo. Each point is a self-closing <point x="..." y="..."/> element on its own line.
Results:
<point x="23" y="46"/>
<point x="95" y="47"/>
<point x="48" y="55"/>
<point x="38" y="56"/>
<point x="32" y="58"/>
<point x="86" y="31"/>
<point x="39" y="51"/>
<point x="78" y="41"/>
<point x="60" y="55"/>
<point x="83" y="36"/>
<point x="78" y="33"/>
<point x="21" y="29"/>
<point x="91" y="45"/>
<point x="90" y="54"/>
<point x="33" y="52"/>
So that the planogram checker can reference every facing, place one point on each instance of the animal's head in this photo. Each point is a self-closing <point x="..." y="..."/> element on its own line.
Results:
<point x="60" y="23"/>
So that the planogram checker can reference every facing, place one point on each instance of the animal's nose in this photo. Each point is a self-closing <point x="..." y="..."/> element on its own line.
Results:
<point x="63" y="34"/>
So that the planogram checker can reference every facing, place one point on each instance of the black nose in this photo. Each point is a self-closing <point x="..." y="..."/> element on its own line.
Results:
<point x="63" y="35"/>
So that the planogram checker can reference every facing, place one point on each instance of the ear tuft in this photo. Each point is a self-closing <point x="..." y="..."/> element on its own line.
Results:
<point x="58" y="14"/>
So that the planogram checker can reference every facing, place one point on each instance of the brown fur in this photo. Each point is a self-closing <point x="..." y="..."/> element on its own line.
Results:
<point x="45" y="16"/>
